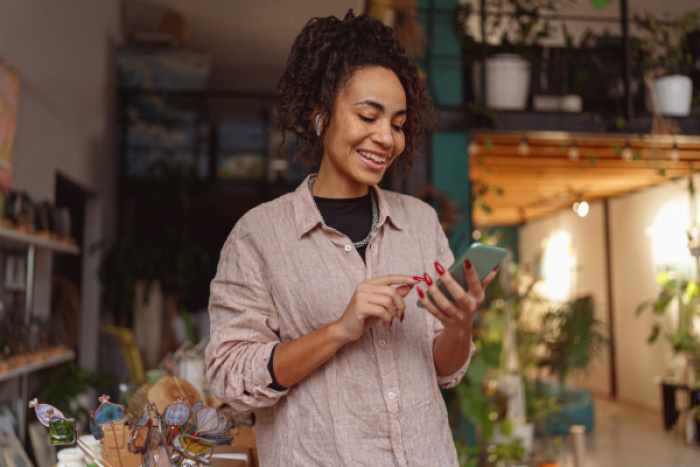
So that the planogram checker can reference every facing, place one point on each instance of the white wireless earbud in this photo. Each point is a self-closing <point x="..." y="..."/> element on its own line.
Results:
<point x="318" y="124"/>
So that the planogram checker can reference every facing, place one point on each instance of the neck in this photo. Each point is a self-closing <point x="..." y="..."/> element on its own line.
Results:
<point x="327" y="187"/>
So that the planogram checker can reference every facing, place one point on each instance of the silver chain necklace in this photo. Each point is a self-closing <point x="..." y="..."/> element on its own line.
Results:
<point x="375" y="213"/>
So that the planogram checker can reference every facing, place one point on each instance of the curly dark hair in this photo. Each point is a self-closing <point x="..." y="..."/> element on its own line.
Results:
<point x="323" y="58"/>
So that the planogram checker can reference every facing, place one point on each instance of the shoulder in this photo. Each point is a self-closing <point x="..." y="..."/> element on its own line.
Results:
<point x="406" y="209"/>
<point x="265" y="218"/>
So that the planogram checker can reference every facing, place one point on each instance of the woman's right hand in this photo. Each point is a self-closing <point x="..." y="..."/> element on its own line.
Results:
<point x="374" y="299"/>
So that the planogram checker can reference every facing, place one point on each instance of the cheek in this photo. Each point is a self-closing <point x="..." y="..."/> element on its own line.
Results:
<point x="399" y="143"/>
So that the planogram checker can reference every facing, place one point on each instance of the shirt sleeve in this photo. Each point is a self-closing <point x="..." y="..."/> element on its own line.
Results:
<point x="244" y="330"/>
<point x="446" y="258"/>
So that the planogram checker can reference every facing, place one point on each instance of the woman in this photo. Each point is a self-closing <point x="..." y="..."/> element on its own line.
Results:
<point x="314" y="320"/>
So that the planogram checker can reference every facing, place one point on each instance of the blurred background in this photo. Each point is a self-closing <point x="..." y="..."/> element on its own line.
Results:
<point x="134" y="134"/>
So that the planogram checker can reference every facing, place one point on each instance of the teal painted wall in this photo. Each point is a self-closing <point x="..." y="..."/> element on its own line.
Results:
<point x="449" y="164"/>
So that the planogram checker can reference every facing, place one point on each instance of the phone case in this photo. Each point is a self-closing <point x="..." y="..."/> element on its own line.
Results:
<point x="483" y="257"/>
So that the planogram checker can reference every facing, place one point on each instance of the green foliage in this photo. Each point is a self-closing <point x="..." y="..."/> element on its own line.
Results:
<point x="515" y="24"/>
<point x="508" y="452"/>
<point x="685" y="294"/>
<point x="573" y="337"/>
<point x="664" y="47"/>
<point x="61" y="385"/>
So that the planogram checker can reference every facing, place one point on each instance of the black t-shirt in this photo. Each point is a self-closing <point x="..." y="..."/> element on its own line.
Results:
<point x="350" y="216"/>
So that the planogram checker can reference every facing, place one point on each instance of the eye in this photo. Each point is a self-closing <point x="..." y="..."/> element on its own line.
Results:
<point x="397" y="127"/>
<point x="366" y="119"/>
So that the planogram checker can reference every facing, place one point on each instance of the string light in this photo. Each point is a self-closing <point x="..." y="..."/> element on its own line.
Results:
<point x="574" y="152"/>
<point x="675" y="154"/>
<point x="524" y="147"/>
<point x="581" y="208"/>
<point x="473" y="148"/>
<point x="627" y="152"/>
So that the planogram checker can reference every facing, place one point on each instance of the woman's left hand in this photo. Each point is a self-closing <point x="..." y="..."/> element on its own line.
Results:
<point x="457" y="316"/>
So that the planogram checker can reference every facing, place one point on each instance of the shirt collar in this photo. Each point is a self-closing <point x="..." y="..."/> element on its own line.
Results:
<point x="307" y="216"/>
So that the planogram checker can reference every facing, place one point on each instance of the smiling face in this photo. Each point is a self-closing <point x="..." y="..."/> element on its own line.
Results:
<point x="365" y="134"/>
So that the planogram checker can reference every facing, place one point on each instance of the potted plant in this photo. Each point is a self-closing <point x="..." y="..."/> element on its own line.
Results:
<point x="545" y="412"/>
<point x="573" y="337"/>
<point x="683" y="295"/>
<point x="667" y="60"/>
<point x="515" y="25"/>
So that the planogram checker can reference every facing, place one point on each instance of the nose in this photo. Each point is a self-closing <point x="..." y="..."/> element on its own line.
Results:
<point x="383" y="136"/>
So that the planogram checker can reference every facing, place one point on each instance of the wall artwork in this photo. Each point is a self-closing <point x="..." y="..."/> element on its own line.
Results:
<point x="9" y="103"/>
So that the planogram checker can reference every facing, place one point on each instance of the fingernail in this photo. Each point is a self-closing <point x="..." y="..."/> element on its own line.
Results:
<point x="419" y="279"/>
<point x="439" y="268"/>
<point x="496" y="269"/>
<point x="428" y="280"/>
<point x="402" y="316"/>
<point x="420" y="292"/>
<point x="468" y="263"/>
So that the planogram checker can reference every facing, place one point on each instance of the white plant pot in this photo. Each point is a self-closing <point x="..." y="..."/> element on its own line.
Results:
<point x="674" y="95"/>
<point x="507" y="82"/>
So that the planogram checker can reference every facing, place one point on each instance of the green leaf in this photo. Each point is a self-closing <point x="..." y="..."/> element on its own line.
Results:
<point x="617" y="150"/>
<point x="598" y="4"/>
<point x="643" y="306"/>
<point x="654" y="334"/>
<point x="488" y="145"/>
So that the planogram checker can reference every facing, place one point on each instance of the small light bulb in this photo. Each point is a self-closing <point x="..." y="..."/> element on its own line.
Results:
<point x="476" y="235"/>
<point x="675" y="154"/>
<point x="524" y="147"/>
<point x="627" y="152"/>
<point x="473" y="148"/>
<point x="581" y="208"/>
<point x="574" y="152"/>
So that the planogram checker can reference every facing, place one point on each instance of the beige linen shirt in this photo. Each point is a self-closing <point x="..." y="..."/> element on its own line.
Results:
<point x="283" y="274"/>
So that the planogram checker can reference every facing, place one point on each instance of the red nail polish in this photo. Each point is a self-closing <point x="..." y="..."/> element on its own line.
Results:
<point x="428" y="280"/>
<point x="420" y="292"/>
<point x="402" y="317"/>
<point x="419" y="279"/>
<point x="439" y="268"/>
<point x="468" y="263"/>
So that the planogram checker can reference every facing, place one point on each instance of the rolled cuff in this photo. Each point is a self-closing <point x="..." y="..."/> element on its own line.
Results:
<point x="452" y="380"/>
<point x="245" y="387"/>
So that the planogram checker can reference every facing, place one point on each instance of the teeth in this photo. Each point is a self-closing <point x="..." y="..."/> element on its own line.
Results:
<point x="372" y="157"/>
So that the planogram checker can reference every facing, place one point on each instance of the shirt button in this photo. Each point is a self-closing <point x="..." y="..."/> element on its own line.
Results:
<point x="392" y="395"/>
<point x="401" y="449"/>
<point x="382" y="343"/>
<point x="348" y="248"/>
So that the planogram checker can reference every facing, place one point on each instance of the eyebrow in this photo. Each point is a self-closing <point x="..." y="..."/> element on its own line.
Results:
<point x="379" y="106"/>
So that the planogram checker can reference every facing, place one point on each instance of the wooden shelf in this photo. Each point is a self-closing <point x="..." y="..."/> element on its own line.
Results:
<point x="15" y="238"/>
<point x="47" y="362"/>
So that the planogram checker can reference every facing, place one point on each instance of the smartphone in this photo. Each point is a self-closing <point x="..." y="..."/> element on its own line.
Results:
<point x="483" y="257"/>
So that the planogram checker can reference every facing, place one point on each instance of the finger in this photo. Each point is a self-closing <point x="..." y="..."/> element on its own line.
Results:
<point x="432" y="309"/>
<point x="475" y="288"/>
<point x="389" y="291"/>
<point x="445" y="305"/>
<point x="455" y="290"/>
<point x="392" y="279"/>
<point x="384" y="301"/>
<point x="376" y="311"/>
<point x="489" y="277"/>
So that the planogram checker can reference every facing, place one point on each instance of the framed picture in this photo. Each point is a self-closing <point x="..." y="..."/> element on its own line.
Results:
<point x="242" y="150"/>
<point x="9" y="103"/>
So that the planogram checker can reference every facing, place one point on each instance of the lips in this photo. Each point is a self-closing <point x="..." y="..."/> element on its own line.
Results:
<point x="373" y="157"/>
